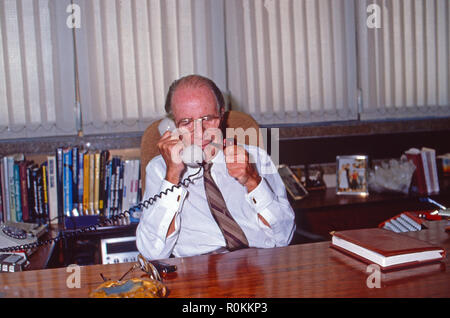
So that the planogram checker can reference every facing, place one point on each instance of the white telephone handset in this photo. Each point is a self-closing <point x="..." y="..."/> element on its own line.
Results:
<point x="191" y="155"/>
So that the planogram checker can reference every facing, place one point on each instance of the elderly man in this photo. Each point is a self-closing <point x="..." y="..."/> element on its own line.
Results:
<point x="230" y="204"/>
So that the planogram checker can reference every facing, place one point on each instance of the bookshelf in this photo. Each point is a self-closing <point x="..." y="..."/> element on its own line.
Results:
<point x="46" y="188"/>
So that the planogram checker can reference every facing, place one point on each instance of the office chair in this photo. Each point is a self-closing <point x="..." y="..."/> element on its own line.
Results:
<point x="151" y="136"/>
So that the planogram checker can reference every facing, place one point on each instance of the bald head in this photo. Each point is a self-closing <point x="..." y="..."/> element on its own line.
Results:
<point x="194" y="82"/>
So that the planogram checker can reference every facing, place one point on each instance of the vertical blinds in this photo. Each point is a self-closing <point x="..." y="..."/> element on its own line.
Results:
<point x="282" y="61"/>
<point x="36" y="69"/>
<point x="403" y="65"/>
<point x="292" y="61"/>
<point x="130" y="52"/>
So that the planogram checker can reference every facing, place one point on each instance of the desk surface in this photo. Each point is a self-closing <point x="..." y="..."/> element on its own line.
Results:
<point x="307" y="270"/>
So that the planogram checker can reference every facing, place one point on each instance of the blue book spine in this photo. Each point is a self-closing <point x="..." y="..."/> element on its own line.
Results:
<point x="12" y="190"/>
<point x="67" y="181"/>
<point x="18" y="194"/>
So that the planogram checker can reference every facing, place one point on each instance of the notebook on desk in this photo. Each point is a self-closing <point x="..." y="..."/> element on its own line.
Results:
<point x="388" y="249"/>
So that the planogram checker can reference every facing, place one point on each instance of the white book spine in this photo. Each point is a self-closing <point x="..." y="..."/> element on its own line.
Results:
<point x="52" y="190"/>
<point x="435" y="177"/>
<point x="426" y="172"/>
<point x="127" y="172"/>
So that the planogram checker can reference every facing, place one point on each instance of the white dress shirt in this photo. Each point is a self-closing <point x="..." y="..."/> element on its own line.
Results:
<point x="196" y="231"/>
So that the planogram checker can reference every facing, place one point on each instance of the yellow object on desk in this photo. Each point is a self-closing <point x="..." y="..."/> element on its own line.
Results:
<point x="131" y="288"/>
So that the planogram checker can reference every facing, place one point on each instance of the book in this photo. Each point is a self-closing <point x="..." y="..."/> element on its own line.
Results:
<point x="5" y="189"/>
<point x="24" y="190"/>
<point x="120" y="190"/>
<point x="432" y="170"/>
<point x="52" y="190"/>
<point x="387" y="278"/>
<point x="385" y="248"/>
<point x="425" y="179"/>
<point x="86" y="192"/>
<point x="81" y="154"/>
<point x="104" y="155"/>
<point x="67" y="182"/>
<point x="75" y="171"/>
<point x="12" y="189"/>
<point x="135" y="192"/>
<point x="418" y="183"/>
<point x="45" y="212"/>
<point x="32" y="193"/>
<point x="126" y="183"/>
<point x="38" y="193"/>
<point x="96" y="182"/>
<point x="91" y="183"/>
<point x="107" y="190"/>
<point x="17" y="190"/>
<point x="59" y="182"/>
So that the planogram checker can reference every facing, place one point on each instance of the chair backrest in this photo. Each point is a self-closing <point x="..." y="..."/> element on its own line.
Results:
<point x="151" y="136"/>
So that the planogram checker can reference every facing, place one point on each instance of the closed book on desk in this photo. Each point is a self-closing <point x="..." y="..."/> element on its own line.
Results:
<point x="388" y="249"/>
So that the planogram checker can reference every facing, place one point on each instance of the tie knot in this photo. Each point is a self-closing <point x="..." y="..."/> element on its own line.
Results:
<point x="207" y="166"/>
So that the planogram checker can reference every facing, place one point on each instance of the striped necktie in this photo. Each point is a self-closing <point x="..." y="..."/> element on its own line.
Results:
<point x="234" y="236"/>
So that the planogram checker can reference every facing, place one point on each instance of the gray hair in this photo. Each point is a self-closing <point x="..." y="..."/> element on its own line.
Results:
<point x="195" y="81"/>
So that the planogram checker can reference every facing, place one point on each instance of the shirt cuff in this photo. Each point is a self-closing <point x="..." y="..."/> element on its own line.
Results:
<point x="261" y="196"/>
<point x="173" y="199"/>
<point x="171" y="204"/>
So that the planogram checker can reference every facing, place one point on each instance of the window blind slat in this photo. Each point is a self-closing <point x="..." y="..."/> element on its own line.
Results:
<point x="145" y="45"/>
<point x="36" y="51"/>
<point x="407" y="70"/>
<point x="285" y="58"/>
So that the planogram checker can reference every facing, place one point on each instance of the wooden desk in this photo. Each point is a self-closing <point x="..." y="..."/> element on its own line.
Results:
<point x="307" y="270"/>
<point x="324" y="211"/>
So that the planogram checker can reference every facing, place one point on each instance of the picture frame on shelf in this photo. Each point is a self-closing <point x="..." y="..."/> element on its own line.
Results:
<point x="352" y="175"/>
<point x="293" y="185"/>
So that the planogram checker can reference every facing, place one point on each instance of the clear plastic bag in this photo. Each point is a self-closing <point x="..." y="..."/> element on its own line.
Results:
<point x="392" y="176"/>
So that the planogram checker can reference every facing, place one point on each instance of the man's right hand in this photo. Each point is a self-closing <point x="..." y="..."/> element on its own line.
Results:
<point x="170" y="147"/>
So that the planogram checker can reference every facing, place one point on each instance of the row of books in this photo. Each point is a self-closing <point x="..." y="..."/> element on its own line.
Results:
<point x="425" y="178"/>
<point x="73" y="182"/>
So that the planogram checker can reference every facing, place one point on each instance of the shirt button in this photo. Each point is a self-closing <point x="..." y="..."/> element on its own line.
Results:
<point x="268" y="242"/>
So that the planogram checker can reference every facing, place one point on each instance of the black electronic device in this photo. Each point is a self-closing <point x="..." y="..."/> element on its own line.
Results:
<point x="14" y="262"/>
<point x="18" y="233"/>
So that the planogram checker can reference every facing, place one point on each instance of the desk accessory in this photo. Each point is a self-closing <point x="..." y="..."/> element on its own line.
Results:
<point x="151" y="287"/>
<point x="314" y="179"/>
<point x="403" y="222"/>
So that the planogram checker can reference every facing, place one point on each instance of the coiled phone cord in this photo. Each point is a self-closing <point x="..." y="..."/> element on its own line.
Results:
<point x="107" y="221"/>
